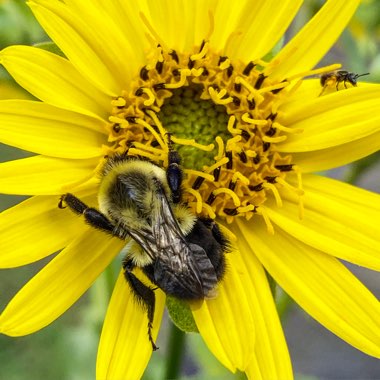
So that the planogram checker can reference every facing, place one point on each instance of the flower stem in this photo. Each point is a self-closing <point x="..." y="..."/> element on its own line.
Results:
<point x="176" y="347"/>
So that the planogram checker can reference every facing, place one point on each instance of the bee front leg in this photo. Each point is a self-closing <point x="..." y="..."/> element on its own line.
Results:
<point x="143" y="295"/>
<point x="92" y="216"/>
<point x="174" y="176"/>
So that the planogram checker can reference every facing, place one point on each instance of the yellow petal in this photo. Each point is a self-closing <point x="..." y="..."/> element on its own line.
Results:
<point x="324" y="159"/>
<point x="313" y="41"/>
<point x="125" y="40"/>
<point x="346" y="230"/>
<point x="34" y="229"/>
<point x="42" y="175"/>
<point x="321" y="285"/>
<point x="361" y="201"/>
<point x="95" y="52"/>
<point x="271" y="359"/>
<point x="268" y="19"/>
<point x="226" y="322"/>
<point x="124" y="348"/>
<point x="337" y="155"/>
<point x="226" y="21"/>
<point x="45" y="129"/>
<point x="125" y="14"/>
<point x="253" y="371"/>
<point x="54" y="80"/>
<point x="332" y="120"/>
<point x="59" y="284"/>
<point x="173" y="21"/>
<point x="310" y="88"/>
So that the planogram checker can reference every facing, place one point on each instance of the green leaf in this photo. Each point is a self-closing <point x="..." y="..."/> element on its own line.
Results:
<point x="50" y="46"/>
<point x="181" y="314"/>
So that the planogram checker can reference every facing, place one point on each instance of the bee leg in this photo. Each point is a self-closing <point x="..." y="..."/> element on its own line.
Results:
<point x="174" y="175"/>
<point x="143" y="294"/>
<point x="92" y="216"/>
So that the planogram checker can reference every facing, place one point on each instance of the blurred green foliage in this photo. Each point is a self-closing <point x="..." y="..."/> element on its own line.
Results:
<point x="18" y="25"/>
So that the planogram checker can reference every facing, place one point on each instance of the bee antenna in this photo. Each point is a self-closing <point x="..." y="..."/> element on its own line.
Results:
<point x="361" y="75"/>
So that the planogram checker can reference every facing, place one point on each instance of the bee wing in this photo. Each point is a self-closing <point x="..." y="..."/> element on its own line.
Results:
<point x="184" y="265"/>
<point x="181" y="268"/>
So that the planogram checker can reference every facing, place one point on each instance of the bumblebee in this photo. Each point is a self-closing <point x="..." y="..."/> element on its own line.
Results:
<point x="180" y="253"/>
<point x="336" y="77"/>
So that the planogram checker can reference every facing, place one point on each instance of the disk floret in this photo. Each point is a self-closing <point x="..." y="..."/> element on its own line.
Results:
<point x="220" y="115"/>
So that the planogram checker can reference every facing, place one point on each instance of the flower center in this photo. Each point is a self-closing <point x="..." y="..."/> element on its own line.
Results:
<point x="187" y="115"/>
<point x="221" y="116"/>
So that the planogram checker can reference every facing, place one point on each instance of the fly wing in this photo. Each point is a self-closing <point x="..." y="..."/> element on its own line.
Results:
<point x="181" y="269"/>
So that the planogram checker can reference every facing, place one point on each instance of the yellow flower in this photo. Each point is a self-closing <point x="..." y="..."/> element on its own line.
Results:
<point x="250" y="131"/>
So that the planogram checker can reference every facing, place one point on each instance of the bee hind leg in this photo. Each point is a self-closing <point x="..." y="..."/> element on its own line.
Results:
<point x="143" y="294"/>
